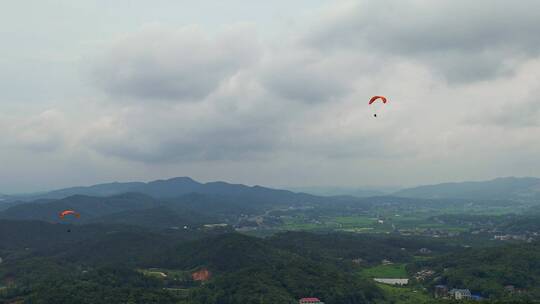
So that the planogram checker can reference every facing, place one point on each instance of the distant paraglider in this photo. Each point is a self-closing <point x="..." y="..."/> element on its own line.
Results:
<point x="374" y="98"/>
<point x="65" y="213"/>
<point x="382" y="98"/>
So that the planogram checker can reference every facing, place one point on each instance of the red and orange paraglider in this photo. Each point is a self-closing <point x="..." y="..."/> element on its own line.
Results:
<point x="375" y="98"/>
<point x="65" y="213"/>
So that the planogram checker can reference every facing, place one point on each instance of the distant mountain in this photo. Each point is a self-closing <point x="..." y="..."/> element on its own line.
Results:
<point x="4" y="201"/>
<point x="96" y="190"/>
<point x="107" y="189"/>
<point x="513" y="188"/>
<point x="206" y="198"/>
<point x="8" y="203"/>
<point x="171" y="188"/>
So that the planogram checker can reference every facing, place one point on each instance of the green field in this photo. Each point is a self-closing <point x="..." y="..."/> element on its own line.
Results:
<point x="301" y="224"/>
<point x="424" y="223"/>
<point x="420" y="258"/>
<point x="368" y="223"/>
<point x="405" y="295"/>
<point x="398" y="295"/>
<point x="359" y="224"/>
<point x="354" y="221"/>
<point x="154" y="274"/>
<point x="393" y="271"/>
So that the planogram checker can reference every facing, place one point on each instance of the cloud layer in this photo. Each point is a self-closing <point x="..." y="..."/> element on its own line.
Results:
<point x="461" y="77"/>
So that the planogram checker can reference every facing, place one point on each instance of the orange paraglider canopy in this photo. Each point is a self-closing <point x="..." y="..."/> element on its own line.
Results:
<point x="68" y="212"/>
<point x="372" y="100"/>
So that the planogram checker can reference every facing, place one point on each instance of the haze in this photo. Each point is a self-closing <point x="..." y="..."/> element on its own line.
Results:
<point x="267" y="93"/>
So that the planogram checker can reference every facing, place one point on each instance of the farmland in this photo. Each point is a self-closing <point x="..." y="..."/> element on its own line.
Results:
<point x="392" y="271"/>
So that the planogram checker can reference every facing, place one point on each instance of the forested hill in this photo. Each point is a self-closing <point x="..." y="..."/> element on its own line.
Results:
<point x="526" y="188"/>
<point x="100" y="267"/>
<point x="173" y="187"/>
<point x="489" y="270"/>
<point x="97" y="263"/>
<point x="127" y="208"/>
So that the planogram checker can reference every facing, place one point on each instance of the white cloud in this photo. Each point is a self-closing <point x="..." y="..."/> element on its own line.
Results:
<point x="463" y="40"/>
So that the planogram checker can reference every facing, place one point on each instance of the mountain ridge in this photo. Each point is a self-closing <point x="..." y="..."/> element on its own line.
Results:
<point x="161" y="188"/>
<point x="514" y="188"/>
<point x="517" y="188"/>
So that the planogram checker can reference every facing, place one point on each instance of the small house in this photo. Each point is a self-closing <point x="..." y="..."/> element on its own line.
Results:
<point x="461" y="294"/>
<point x="201" y="275"/>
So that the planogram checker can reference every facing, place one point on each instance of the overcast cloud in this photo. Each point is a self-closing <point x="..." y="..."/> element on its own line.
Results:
<point x="276" y="95"/>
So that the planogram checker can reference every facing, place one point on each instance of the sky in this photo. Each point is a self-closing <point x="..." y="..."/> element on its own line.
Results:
<point x="268" y="92"/>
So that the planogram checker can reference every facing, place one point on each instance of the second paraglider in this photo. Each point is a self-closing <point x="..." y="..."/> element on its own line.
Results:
<point x="65" y="213"/>
<point x="375" y="98"/>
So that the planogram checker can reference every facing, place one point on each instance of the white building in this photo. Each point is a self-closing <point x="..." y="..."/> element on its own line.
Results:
<point x="460" y="294"/>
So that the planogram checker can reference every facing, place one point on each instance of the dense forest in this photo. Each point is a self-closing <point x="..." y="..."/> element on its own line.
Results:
<point x="490" y="270"/>
<point x="237" y="244"/>
<point x="105" y="265"/>
<point x="43" y="263"/>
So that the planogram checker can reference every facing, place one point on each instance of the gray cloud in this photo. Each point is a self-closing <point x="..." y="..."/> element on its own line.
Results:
<point x="44" y="132"/>
<point x="305" y="77"/>
<point x="182" y="64"/>
<point x="521" y="114"/>
<point x="463" y="40"/>
<point x="217" y="143"/>
<point x="289" y="95"/>
<point x="237" y="121"/>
